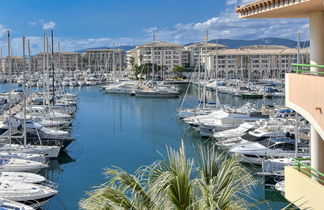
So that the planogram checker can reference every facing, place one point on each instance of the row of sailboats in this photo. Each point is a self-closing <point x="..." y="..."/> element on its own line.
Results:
<point x="30" y="137"/>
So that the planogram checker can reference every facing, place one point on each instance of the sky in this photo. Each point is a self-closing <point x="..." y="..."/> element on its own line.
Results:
<point x="81" y="24"/>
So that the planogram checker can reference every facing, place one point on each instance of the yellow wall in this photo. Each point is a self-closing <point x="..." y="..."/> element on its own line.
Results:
<point x="303" y="191"/>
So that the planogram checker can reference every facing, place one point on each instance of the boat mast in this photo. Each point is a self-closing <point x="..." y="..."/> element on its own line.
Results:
<point x="297" y="116"/>
<point x="153" y="55"/>
<point x="53" y="83"/>
<point x="199" y="72"/>
<point x="9" y="86"/>
<point x="217" y="98"/>
<point x="44" y="70"/>
<point x="24" y="91"/>
<point x="205" y="70"/>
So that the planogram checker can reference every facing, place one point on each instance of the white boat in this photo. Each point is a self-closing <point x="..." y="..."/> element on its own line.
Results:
<point x="21" y="177"/>
<point x="34" y="157"/>
<point x="48" y="151"/>
<point x="20" y="165"/>
<point x="81" y="83"/>
<point x="227" y="120"/>
<point x="235" y="132"/>
<point x="256" y="152"/>
<point x="53" y="123"/>
<point x="6" y="204"/>
<point x="31" y="194"/>
<point x="255" y="135"/>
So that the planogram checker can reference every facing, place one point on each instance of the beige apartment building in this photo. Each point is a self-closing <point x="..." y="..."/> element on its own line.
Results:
<point x="199" y="49"/>
<point x="166" y="54"/>
<point x="17" y="64"/>
<point x="67" y="61"/>
<point x="93" y="59"/>
<point x="254" y="62"/>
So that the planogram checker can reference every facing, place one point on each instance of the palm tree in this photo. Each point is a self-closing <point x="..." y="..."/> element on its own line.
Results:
<point x="216" y="181"/>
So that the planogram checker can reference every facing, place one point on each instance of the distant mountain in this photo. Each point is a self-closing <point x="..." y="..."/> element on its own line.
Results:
<point x="230" y="43"/>
<point x="124" y="47"/>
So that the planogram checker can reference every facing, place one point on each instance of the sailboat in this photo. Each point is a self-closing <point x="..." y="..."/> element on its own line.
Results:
<point x="49" y="151"/>
<point x="202" y="108"/>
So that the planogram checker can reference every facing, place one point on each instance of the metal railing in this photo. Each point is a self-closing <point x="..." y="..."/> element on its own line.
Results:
<point x="301" y="68"/>
<point x="308" y="170"/>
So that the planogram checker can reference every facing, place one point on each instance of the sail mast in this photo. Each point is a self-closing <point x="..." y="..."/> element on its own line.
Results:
<point x="24" y="91"/>
<point x="297" y="116"/>
<point x="9" y="86"/>
<point x="53" y="83"/>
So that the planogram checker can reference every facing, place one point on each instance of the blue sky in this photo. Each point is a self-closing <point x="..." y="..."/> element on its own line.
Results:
<point x="80" y="24"/>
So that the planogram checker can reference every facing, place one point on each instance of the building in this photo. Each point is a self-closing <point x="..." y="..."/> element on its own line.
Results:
<point x="304" y="185"/>
<point x="104" y="60"/>
<point x="17" y="64"/>
<point x="66" y="61"/>
<point x="165" y="54"/>
<point x="253" y="62"/>
<point x="199" y="49"/>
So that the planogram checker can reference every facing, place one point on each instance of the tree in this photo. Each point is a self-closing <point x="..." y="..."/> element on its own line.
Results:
<point x="178" y="70"/>
<point x="216" y="181"/>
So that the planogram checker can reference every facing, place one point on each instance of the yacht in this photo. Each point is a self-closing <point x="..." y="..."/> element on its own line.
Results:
<point x="227" y="120"/>
<point x="49" y="151"/>
<point x="21" y="177"/>
<point x="255" y="135"/>
<point x="20" y="165"/>
<point x="281" y="147"/>
<point x="33" y="157"/>
<point x="33" y="195"/>
<point x="6" y="204"/>
<point x="235" y="132"/>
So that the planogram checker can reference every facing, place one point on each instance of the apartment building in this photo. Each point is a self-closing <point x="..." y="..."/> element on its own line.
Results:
<point x="199" y="49"/>
<point x="166" y="54"/>
<point x="66" y="61"/>
<point x="253" y="62"/>
<point x="17" y="64"/>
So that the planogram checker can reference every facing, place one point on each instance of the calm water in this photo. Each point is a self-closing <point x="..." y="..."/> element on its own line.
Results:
<point x="128" y="132"/>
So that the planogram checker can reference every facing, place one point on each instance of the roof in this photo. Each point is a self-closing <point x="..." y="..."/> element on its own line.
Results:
<point x="279" y="8"/>
<point x="255" y="51"/>
<point x="203" y="44"/>
<point x="160" y="44"/>
<point x="104" y="50"/>
<point x="265" y="47"/>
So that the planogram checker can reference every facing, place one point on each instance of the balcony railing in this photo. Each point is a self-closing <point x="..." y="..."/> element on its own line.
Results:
<point x="307" y="170"/>
<point x="304" y="68"/>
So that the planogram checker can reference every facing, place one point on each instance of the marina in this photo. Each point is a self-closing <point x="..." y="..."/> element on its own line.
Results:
<point x="105" y="123"/>
<point x="124" y="106"/>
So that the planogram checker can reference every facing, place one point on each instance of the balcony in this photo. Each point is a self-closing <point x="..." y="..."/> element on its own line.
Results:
<point x="304" y="186"/>
<point x="279" y="8"/>
<point x="304" y="94"/>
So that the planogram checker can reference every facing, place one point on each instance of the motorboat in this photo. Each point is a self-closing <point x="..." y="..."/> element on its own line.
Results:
<point x="12" y="205"/>
<point x="33" y="195"/>
<point x="23" y="177"/>
<point x="20" y="165"/>
<point x="281" y="147"/>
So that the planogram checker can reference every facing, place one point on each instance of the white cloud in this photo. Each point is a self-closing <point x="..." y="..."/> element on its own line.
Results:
<point x="229" y="26"/>
<point x="49" y="25"/>
<point x="150" y="30"/>
<point x="3" y="31"/>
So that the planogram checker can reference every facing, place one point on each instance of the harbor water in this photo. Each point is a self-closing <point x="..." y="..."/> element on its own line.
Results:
<point x="128" y="132"/>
